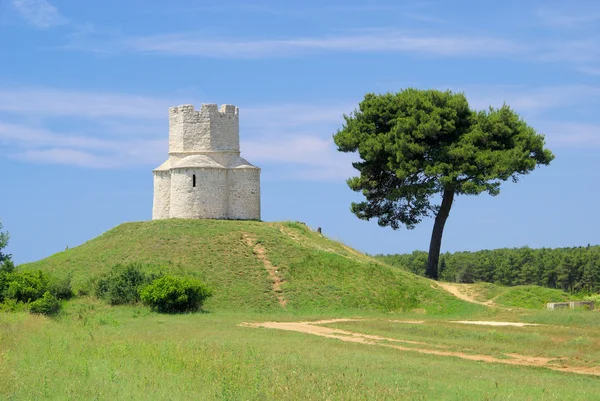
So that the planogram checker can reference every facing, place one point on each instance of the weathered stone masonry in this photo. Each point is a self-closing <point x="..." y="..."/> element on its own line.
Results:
<point x="205" y="177"/>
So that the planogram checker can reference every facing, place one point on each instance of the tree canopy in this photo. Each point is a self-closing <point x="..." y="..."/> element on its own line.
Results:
<point x="4" y="237"/>
<point x="6" y="263"/>
<point x="569" y="269"/>
<point x="420" y="147"/>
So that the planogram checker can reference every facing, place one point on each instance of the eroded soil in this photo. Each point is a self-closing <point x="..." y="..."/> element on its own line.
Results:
<point x="261" y="254"/>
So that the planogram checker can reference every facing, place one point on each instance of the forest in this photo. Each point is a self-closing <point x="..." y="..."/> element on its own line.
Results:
<point x="575" y="269"/>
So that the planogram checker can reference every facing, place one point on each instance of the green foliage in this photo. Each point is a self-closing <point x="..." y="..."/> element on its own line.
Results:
<point x="97" y="352"/>
<point x="122" y="284"/>
<point x="414" y="144"/>
<point x="6" y="264"/>
<point x="532" y="297"/>
<point x="214" y="252"/>
<point x="48" y="304"/>
<point x="33" y="290"/>
<point x="61" y="287"/>
<point x="26" y="286"/>
<point x="171" y="294"/>
<point x="574" y="269"/>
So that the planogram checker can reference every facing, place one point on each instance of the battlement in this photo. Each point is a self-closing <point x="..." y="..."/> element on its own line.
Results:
<point x="210" y="129"/>
<point x="205" y="109"/>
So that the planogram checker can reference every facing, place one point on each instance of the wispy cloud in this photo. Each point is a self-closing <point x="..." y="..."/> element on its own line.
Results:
<point x="39" y="13"/>
<point x="572" y="134"/>
<point x="49" y="102"/>
<point x="199" y="44"/>
<point x="589" y="70"/>
<point x="70" y="157"/>
<point x="289" y="140"/>
<point x="308" y="156"/>
<point x="532" y="100"/>
<point x="112" y="130"/>
<point x="85" y="149"/>
<point x="570" y="18"/>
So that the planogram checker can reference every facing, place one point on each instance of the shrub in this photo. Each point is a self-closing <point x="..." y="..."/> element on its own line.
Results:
<point x="7" y="266"/>
<point x="122" y="284"/>
<point x="170" y="294"/>
<point x="48" y="304"/>
<point x="61" y="288"/>
<point x="26" y="286"/>
<point x="3" y="285"/>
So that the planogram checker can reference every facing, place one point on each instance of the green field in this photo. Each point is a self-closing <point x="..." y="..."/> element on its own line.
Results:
<point x="403" y="344"/>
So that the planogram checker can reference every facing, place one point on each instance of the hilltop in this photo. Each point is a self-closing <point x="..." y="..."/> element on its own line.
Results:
<point x="256" y="266"/>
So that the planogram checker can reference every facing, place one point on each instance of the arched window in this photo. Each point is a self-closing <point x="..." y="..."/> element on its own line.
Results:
<point x="194" y="180"/>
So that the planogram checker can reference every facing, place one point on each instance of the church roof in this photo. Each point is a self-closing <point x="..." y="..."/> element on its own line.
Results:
<point x="166" y="166"/>
<point x="197" y="161"/>
<point x="240" y="162"/>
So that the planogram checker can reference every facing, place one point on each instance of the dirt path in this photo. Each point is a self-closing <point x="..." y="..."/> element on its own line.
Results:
<point x="261" y="254"/>
<point x="420" y="347"/>
<point x="458" y="291"/>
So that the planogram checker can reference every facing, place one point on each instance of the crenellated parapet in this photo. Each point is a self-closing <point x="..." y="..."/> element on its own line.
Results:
<point x="209" y="129"/>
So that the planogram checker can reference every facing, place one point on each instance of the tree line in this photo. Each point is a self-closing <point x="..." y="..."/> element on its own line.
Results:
<point x="570" y="269"/>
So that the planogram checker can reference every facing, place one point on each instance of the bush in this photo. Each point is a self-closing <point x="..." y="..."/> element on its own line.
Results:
<point x="61" y="288"/>
<point x="47" y="305"/>
<point x="170" y="294"/>
<point x="7" y="266"/>
<point x="122" y="284"/>
<point x="3" y="285"/>
<point x="25" y="286"/>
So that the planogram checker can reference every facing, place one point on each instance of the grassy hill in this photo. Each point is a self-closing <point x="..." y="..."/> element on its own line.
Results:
<point x="256" y="266"/>
<point x="520" y="296"/>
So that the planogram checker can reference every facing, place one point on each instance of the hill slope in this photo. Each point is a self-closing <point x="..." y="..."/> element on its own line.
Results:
<point x="256" y="266"/>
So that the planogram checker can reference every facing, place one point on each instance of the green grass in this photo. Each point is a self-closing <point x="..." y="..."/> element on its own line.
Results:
<point x="521" y="296"/>
<point x="93" y="351"/>
<point x="579" y="345"/>
<point x="531" y="296"/>
<point x="318" y="273"/>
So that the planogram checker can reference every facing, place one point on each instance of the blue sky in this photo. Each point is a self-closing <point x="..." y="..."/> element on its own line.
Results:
<point x="85" y="89"/>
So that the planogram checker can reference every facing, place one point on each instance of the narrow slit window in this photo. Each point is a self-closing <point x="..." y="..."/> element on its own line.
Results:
<point x="194" y="180"/>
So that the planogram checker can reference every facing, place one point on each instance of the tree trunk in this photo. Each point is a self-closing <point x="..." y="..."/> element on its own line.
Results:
<point x="436" y="236"/>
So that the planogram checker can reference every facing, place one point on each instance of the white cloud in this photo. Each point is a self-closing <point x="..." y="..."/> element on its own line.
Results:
<point x="572" y="134"/>
<point x="199" y="44"/>
<point x="306" y="157"/>
<point x="45" y="146"/>
<point x="289" y="140"/>
<point x="112" y="130"/>
<point x="589" y="70"/>
<point x="529" y="99"/>
<point x="39" y="13"/>
<point x="48" y="102"/>
<point x="69" y="157"/>
<point x="566" y="18"/>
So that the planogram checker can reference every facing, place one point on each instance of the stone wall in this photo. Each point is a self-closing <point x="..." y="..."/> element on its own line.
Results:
<point x="208" y="199"/>
<point x="244" y="193"/>
<point x="162" y="195"/>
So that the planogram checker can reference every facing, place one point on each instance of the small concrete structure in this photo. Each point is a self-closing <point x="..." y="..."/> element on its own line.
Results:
<point x="205" y="177"/>
<point x="588" y="305"/>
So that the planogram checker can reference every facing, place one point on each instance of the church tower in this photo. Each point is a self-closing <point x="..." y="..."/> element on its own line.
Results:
<point x="204" y="176"/>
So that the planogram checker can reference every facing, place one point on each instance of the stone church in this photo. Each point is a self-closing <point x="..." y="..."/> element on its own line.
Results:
<point x="204" y="176"/>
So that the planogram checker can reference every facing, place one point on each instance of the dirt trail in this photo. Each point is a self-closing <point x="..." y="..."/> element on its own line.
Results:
<point x="458" y="290"/>
<point x="261" y="254"/>
<point x="348" y="336"/>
